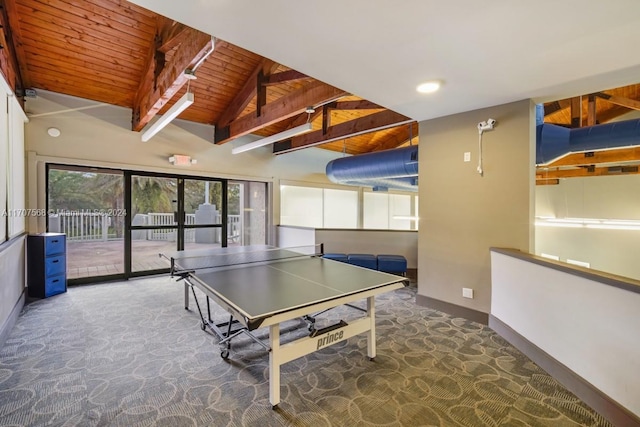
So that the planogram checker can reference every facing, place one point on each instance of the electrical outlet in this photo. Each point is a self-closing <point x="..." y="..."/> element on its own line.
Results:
<point x="467" y="156"/>
<point x="467" y="292"/>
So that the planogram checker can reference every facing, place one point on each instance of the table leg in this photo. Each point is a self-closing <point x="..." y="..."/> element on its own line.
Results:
<point x="371" y="334"/>
<point x="274" y="365"/>
<point x="186" y="296"/>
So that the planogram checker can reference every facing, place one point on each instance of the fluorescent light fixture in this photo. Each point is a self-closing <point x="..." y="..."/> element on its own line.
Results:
<point x="557" y="224"/>
<point x="614" y="227"/>
<point x="298" y="130"/>
<point x="406" y="217"/>
<point x="603" y="224"/>
<point x="173" y="112"/>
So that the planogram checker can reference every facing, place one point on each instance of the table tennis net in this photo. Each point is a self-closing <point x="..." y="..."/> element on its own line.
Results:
<point x="215" y="260"/>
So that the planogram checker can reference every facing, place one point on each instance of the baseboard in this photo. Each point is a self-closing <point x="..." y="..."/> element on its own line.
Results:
<point x="7" y="327"/>
<point x="587" y="392"/>
<point x="453" y="309"/>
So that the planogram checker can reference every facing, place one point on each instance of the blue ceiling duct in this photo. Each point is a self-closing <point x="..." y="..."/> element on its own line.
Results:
<point x="553" y="141"/>
<point x="398" y="168"/>
<point x="382" y="170"/>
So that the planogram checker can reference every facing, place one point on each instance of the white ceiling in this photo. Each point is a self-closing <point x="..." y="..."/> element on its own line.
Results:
<point x="487" y="52"/>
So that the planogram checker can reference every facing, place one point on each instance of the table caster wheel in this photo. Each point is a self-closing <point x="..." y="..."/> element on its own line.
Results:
<point x="224" y="354"/>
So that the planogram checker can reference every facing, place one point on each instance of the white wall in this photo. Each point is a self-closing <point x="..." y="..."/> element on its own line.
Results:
<point x="359" y="241"/>
<point x="588" y="326"/>
<point x="607" y="197"/>
<point x="373" y="242"/>
<point x="12" y="286"/>
<point x="463" y="214"/>
<point x="289" y="237"/>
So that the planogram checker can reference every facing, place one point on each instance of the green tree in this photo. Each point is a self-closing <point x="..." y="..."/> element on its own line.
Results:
<point x="152" y="194"/>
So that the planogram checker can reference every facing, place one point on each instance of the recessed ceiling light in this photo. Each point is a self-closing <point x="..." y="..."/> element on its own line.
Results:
<point x="54" y="132"/>
<point x="429" y="87"/>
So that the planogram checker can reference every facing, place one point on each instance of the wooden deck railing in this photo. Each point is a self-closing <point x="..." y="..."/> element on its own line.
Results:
<point x="90" y="226"/>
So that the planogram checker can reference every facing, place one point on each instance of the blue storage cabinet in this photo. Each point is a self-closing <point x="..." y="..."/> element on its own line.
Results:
<point x="46" y="264"/>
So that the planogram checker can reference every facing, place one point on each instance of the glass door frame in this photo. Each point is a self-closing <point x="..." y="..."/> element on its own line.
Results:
<point x="179" y="214"/>
<point x="49" y="209"/>
<point x="127" y="213"/>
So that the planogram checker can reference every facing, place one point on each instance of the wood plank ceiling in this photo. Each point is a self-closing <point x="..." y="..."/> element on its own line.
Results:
<point x="116" y="52"/>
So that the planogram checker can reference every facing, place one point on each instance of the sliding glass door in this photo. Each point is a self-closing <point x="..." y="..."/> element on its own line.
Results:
<point x="87" y="204"/>
<point x="118" y="222"/>
<point x="153" y="220"/>
<point x="172" y="213"/>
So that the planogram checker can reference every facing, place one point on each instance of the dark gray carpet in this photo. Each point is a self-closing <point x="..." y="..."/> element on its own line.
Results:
<point x="128" y="354"/>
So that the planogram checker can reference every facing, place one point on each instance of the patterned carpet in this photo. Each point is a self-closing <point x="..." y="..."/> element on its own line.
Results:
<point x="128" y="354"/>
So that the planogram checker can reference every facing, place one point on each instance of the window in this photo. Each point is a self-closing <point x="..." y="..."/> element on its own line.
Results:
<point x="340" y="208"/>
<point x="12" y="156"/>
<point x="332" y="208"/>
<point x="301" y="206"/>
<point x="390" y="211"/>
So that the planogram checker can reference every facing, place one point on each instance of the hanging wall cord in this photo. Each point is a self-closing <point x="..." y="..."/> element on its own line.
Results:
<point x="480" y="171"/>
<point x="482" y="126"/>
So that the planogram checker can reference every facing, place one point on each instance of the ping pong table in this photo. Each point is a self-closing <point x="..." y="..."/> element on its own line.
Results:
<point x="265" y="286"/>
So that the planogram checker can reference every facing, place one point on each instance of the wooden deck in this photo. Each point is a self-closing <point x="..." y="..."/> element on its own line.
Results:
<point x="100" y="258"/>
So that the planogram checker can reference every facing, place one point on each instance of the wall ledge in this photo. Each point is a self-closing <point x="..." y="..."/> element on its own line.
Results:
<point x="609" y="279"/>
<point x="596" y="399"/>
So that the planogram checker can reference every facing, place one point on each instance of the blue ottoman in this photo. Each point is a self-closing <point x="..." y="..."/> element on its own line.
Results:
<point x="363" y="260"/>
<point x="396" y="264"/>
<point x="336" y="257"/>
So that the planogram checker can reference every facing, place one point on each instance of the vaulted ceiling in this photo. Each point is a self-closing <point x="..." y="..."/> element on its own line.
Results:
<point x="116" y="52"/>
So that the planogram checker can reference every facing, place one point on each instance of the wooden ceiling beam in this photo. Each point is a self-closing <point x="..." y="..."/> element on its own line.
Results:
<point x="591" y="110"/>
<point x="290" y="105"/>
<point x="284" y="77"/>
<point x="171" y="34"/>
<point x="555" y="106"/>
<point x="370" y="123"/>
<point x="587" y="172"/>
<point x="576" y="112"/>
<point x="611" y="113"/>
<point x="247" y="93"/>
<point x="402" y="135"/>
<point x="161" y="79"/>
<point x="547" y="181"/>
<point x="360" y="104"/>
<point x="305" y="117"/>
<point x="339" y="105"/>
<point x="619" y="100"/>
<point x="618" y="155"/>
